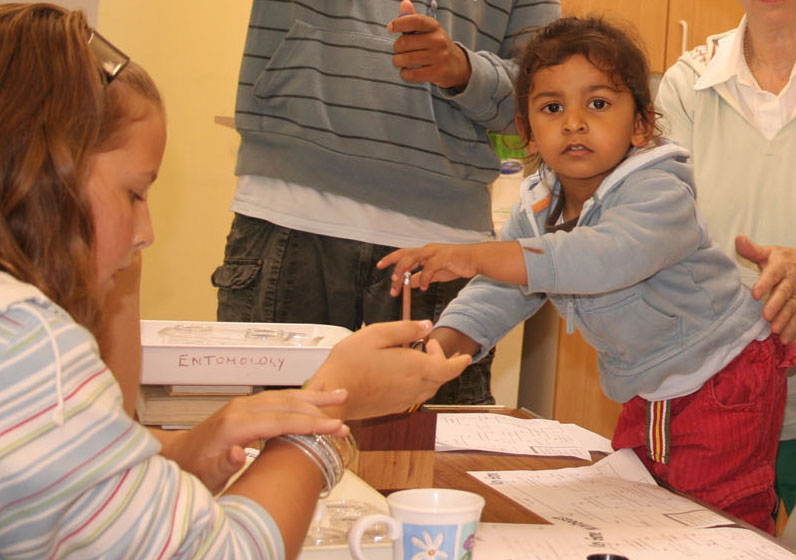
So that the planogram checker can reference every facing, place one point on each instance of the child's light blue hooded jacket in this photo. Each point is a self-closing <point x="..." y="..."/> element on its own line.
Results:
<point x="638" y="277"/>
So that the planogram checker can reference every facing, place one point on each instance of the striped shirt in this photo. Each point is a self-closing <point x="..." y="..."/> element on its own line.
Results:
<point x="79" y="478"/>
<point x="321" y="105"/>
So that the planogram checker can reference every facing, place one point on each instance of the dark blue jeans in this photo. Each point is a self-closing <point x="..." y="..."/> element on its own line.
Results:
<point x="278" y="275"/>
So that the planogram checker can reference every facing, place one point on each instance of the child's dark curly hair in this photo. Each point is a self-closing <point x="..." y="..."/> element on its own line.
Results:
<point x="615" y="51"/>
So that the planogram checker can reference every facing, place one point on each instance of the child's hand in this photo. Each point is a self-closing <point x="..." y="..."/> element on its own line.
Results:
<point x="440" y="263"/>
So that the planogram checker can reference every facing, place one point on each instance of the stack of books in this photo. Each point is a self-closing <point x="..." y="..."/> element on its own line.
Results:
<point x="182" y="406"/>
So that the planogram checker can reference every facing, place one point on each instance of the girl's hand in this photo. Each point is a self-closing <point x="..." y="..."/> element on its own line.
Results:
<point x="213" y="450"/>
<point x="778" y="280"/>
<point x="381" y="376"/>
<point x="440" y="263"/>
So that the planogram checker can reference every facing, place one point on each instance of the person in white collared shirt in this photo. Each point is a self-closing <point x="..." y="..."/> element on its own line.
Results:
<point x="732" y="103"/>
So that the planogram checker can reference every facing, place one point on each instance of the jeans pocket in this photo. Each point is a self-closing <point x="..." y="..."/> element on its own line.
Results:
<point x="236" y="281"/>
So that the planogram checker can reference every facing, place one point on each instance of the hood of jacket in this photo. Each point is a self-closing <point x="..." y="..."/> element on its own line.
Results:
<point x="540" y="190"/>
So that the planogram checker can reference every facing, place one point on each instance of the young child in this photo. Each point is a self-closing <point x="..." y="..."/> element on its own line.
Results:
<point x="608" y="231"/>
<point x="83" y="134"/>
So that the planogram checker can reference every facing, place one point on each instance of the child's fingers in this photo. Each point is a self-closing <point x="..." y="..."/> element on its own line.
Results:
<point x="398" y="274"/>
<point x="388" y="260"/>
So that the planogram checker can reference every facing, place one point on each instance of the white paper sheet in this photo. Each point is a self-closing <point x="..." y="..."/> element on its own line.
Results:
<point x="615" y="491"/>
<point x="497" y="541"/>
<point x="589" y="439"/>
<point x="521" y="436"/>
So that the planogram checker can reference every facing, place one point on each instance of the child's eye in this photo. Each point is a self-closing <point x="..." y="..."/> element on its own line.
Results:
<point x="552" y="108"/>
<point x="134" y="196"/>
<point x="598" y="104"/>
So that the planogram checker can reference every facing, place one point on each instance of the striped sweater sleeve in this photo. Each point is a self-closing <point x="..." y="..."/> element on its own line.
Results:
<point x="80" y="479"/>
<point x="488" y="98"/>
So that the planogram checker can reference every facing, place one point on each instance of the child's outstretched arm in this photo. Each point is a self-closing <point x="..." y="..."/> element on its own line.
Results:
<point x="500" y="260"/>
<point x="454" y="342"/>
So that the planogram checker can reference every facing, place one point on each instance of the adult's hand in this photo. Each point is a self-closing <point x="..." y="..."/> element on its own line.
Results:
<point x="426" y="53"/>
<point x="213" y="450"/>
<point x="381" y="376"/>
<point x="777" y="279"/>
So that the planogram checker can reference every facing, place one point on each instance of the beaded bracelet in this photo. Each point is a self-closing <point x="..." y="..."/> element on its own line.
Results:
<point x="330" y="454"/>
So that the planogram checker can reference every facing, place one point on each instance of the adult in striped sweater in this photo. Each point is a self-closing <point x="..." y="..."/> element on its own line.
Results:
<point x="83" y="135"/>
<point x="361" y="132"/>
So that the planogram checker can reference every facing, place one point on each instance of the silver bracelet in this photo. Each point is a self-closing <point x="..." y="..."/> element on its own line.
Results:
<point x="330" y="454"/>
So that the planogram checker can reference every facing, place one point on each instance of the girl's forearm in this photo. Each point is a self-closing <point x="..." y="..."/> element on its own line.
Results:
<point x="287" y="484"/>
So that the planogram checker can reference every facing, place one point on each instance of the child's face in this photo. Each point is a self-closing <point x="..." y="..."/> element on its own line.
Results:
<point x="582" y="125"/>
<point x="117" y="187"/>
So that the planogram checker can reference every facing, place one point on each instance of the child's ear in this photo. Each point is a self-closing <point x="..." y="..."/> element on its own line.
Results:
<point x="642" y="130"/>
<point x="530" y="145"/>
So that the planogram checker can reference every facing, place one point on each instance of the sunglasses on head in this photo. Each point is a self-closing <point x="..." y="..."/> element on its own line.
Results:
<point x="110" y="59"/>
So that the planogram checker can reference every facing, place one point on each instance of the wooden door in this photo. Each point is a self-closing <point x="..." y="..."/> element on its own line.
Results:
<point x="647" y="17"/>
<point x="696" y="21"/>
<point x="578" y="397"/>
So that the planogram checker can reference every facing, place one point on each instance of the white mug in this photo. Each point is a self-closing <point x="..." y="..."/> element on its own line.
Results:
<point x="425" y="522"/>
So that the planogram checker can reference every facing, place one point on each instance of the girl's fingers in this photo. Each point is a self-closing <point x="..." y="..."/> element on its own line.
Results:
<point x="304" y="401"/>
<point x="321" y="398"/>
<point x="396" y="333"/>
<point x="216" y="474"/>
<point x="269" y="425"/>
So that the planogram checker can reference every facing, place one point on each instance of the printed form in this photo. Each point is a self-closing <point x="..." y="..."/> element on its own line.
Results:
<point x="616" y="490"/>
<point x="498" y="541"/>
<point x="613" y="506"/>
<point x="520" y="436"/>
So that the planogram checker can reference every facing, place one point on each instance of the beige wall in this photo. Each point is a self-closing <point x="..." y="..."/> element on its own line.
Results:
<point x="192" y="49"/>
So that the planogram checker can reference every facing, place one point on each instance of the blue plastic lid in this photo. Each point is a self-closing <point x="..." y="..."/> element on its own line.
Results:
<point x="509" y="166"/>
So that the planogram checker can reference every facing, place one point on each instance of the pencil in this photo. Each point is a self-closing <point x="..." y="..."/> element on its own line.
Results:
<point x="406" y="313"/>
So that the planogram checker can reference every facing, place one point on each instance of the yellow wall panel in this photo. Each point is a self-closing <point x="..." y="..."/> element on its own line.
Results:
<point x="192" y="50"/>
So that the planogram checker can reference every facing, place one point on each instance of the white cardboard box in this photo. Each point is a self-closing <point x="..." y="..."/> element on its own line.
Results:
<point x="218" y="353"/>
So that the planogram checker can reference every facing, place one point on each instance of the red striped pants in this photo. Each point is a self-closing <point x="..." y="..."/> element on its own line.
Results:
<point x="722" y="440"/>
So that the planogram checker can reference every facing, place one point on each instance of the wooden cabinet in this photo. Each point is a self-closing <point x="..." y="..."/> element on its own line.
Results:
<point x="648" y="17"/>
<point x="658" y="22"/>
<point x="695" y="21"/>
<point x="577" y="395"/>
